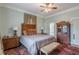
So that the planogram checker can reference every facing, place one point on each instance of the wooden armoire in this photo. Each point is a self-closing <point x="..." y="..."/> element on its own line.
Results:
<point x="63" y="32"/>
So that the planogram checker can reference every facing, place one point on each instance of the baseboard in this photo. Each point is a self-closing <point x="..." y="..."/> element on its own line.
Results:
<point x="75" y="45"/>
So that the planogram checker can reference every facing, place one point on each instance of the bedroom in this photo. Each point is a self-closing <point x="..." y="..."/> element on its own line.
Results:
<point x="12" y="17"/>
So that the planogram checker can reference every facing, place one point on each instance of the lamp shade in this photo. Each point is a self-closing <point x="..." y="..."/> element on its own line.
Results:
<point x="15" y="28"/>
<point x="42" y="28"/>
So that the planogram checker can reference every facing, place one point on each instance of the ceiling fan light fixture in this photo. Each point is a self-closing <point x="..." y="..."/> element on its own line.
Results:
<point x="46" y="10"/>
<point x="47" y="7"/>
<point x="50" y="5"/>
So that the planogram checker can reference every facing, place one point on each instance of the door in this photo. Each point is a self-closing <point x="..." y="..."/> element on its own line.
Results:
<point x="75" y="32"/>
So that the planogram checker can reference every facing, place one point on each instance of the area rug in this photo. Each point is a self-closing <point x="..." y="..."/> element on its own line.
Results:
<point x="21" y="50"/>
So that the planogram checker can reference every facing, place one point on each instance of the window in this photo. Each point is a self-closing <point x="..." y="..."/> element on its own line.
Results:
<point x="52" y="29"/>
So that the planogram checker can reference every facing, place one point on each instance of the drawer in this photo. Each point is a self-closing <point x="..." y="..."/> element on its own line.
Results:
<point x="10" y="43"/>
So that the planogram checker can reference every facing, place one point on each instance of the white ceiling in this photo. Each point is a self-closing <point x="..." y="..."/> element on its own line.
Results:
<point x="34" y="8"/>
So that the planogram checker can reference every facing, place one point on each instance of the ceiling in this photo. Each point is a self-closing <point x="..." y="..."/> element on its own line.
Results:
<point x="34" y="8"/>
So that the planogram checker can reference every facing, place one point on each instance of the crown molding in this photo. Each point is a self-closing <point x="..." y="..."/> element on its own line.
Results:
<point x="61" y="12"/>
<point x="20" y="10"/>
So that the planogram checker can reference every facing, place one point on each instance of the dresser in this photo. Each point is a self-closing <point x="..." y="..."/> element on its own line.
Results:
<point x="10" y="42"/>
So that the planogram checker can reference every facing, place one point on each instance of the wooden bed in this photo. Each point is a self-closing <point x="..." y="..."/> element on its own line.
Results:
<point x="33" y="41"/>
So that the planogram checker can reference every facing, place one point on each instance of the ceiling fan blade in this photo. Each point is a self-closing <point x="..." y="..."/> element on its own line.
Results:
<point x="47" y="3"/>
<point x="42" y="10"/>
<point x="54" y="7"/>
<point x="42" y="6"/>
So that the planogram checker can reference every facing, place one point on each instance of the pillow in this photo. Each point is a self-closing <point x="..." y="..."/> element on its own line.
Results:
<point x="32" y="31"/>
<point x="29" y="32"/>
<point x="24" y="32"/>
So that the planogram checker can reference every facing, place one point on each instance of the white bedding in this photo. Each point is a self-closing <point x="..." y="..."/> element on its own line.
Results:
<point x="34" y="42"/>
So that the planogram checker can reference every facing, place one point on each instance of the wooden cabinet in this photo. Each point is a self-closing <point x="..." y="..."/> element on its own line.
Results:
<point x="63" y="32"/>
<point x="10" y="42"/>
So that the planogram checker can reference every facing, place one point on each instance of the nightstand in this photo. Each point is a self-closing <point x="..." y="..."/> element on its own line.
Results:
<point x="10" y="42"/>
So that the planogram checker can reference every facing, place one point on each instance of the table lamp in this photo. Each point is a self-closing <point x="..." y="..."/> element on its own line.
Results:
<point x="15" y="29"/>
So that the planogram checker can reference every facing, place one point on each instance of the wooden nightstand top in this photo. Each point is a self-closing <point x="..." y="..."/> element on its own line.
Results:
<point x="13" y="37"/>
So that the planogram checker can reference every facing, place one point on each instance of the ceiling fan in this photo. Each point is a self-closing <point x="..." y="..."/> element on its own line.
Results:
<point x="47" y="7"/>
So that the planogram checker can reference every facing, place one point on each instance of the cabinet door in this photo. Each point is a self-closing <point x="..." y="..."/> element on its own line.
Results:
<point x="6" y="44"/>
<point x="66" y="39"/>
<point x="12" y="43"/>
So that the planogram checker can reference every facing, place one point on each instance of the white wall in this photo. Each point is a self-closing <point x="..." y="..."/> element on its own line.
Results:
<point x="75" y="31"/>
<point x="1" y="21"/>
<point x="11" y="18"/>
<point x="40" y="23"/>
<point x="1" y="30"/>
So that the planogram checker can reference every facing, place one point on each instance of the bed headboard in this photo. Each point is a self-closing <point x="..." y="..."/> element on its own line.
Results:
<point x="30" y="29"/>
